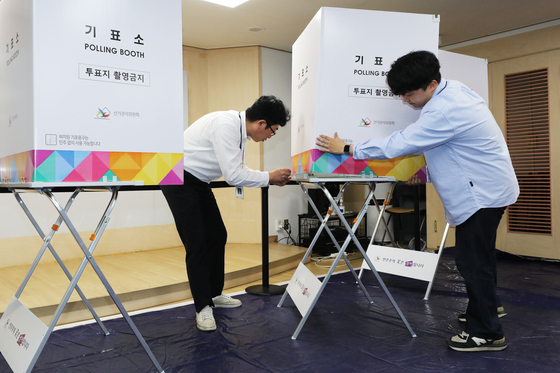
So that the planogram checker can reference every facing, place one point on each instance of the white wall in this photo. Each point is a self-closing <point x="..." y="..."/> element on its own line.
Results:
<point x="288" y="201"/>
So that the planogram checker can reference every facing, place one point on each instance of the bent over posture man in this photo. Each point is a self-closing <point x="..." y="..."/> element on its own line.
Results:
<point x="469" y="164"/>
<point x="214" y="146"/>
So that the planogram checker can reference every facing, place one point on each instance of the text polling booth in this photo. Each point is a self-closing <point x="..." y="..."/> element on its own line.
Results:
<point x="422" y="265"/>
<point x="91" y="99"/>
<point x="339" y="68"/>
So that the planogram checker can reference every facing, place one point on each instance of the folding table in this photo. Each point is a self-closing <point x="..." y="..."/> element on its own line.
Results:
<point x="35" y="338"/>
<point x="320" y="181"/>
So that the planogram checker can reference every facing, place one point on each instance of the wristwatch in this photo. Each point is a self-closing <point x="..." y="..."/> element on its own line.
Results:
<point x="347" y="149"/>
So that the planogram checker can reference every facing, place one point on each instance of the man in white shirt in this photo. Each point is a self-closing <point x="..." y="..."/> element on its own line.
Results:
<point x="469" y="164"/>
<point x="214" y="146"/>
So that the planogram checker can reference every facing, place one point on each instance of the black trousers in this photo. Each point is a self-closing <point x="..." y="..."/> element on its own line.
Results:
<point x="202" y="230"/>
<point x="475" y="256"/>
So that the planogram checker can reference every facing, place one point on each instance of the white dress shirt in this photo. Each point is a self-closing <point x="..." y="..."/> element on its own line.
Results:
<point x="466" y="153"/>
<point x="214" y="146"/>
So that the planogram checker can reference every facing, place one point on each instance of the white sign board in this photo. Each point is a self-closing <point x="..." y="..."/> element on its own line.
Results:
<point x="21" y="334"/>
<point x="339" y="68"/>
<point x="303" y="288"/>
<point x="420" y="265"/>
<point x="91" y="80"/>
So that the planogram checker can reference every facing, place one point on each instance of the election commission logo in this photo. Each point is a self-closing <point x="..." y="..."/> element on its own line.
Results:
<point x="103" y="114"/>
<point x="364" y="122"/>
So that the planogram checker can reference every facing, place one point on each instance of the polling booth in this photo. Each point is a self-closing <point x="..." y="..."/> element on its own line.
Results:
<point x="339" y="68"/>
<point x="87" y="94"/>
<point x="91" y="100"/>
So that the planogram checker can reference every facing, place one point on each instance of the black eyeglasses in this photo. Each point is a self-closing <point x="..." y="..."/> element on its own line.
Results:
<point x="273" y="133"/>
<point x="271" y="130"/>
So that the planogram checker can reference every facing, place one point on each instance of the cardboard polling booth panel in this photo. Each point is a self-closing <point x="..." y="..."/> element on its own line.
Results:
<point x="91" y="91"/>
<point x="339" y="68"/>
<point x="471" y="71"/>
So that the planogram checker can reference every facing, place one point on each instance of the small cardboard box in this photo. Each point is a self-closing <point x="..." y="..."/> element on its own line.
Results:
<point x="91" y="90"/>
<point x="339" y="68"/>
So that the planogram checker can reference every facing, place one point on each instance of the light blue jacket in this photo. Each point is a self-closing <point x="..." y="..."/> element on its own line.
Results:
<point x="466" y="154"/>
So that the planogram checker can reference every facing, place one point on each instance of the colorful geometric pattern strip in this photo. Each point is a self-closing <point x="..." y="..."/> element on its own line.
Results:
<point x="85" y="166"/>
<point x="401" y="168"/>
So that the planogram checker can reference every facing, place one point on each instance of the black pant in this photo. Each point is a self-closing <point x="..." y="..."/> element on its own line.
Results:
<point x="475" y="257"/>
<point x="202" y="230"/>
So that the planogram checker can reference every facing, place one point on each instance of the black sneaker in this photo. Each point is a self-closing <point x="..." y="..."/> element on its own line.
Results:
<point x="465" y="342"/>
<point x="501" y="313"/>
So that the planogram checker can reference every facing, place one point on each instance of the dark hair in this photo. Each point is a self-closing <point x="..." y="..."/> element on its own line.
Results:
<point x="413" y="71"/>
<point x="269" y="108"/>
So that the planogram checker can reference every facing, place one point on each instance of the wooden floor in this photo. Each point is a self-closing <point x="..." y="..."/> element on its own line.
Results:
<point x="145" y="279"/>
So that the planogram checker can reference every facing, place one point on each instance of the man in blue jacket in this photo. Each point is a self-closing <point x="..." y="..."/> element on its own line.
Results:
<point x="469" y="164"/>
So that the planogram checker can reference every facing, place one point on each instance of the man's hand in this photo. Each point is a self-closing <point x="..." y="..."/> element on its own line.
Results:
<point x="414" y="180"/>
<point x="280" y="176"/>
<point x="331" y="145"/>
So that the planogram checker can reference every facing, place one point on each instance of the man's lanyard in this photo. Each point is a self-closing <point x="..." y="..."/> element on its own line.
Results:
<point x="239" y="189"/>
<point x="241" y="142"/>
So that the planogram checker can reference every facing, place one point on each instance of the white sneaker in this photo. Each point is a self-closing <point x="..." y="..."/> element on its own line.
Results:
<point x="225" y="301"/>
<point x="205" y="320"/>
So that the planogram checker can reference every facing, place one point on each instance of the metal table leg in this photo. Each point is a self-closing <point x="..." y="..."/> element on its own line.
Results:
<point x="88" y="258"/>
<point x="341" y="250"/>
<point x="47" y="243"/>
